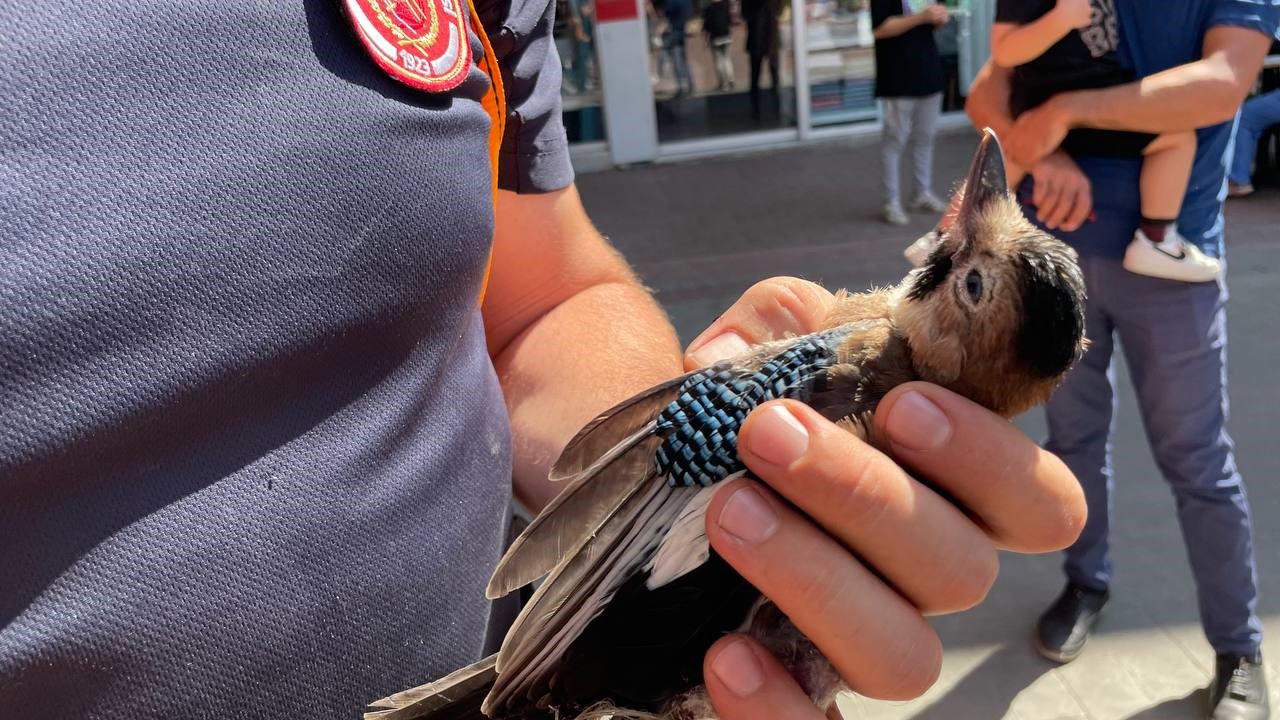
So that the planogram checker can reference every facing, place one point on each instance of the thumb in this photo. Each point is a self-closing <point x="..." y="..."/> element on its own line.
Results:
<point x="771" y="310"/>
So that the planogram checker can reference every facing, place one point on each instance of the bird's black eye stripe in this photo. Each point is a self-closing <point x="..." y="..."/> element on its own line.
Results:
<point x="973" y="285"/>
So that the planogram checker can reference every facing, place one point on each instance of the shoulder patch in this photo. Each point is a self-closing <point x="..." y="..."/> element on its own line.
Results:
<point x="421" y="43"/>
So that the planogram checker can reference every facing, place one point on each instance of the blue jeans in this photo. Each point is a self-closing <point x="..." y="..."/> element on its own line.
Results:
<point x="1258" y="114"/>
<point x="1174" y="338"/>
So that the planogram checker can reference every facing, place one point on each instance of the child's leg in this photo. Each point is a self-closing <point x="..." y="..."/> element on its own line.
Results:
<point x="1158" y="250"/>
<point x="1166" y="170"/>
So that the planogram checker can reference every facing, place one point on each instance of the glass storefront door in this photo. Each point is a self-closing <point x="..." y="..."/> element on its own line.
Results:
<point x="580" y="88"/>
<point x="720" y="67"/>
<point x="723" y="71"/>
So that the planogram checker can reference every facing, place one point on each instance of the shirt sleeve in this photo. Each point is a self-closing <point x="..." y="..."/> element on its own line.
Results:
<point x="1021" y="12"/>
<point x="1260" y="15"/>
<point x="535" y="150"/>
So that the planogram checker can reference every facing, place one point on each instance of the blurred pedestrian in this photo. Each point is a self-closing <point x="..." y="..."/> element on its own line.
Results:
<point x="678" y="12"/>
<point x="718" y="27"/>
<point x="582" y="23"/>
<point x="761" y="17"/>
<point x="1257" y="115"/>
<point x="909" y="83"/>
<point x="1199" y="59"/>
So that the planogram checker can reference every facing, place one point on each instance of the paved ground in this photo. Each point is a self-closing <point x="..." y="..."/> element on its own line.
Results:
<point x="702" y="232"/>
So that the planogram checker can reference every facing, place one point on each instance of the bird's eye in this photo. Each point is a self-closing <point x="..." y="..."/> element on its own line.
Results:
<point x="973" y="284"/>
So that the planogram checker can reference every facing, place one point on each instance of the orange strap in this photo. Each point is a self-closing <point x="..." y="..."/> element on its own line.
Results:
<point x="495" y="103"/>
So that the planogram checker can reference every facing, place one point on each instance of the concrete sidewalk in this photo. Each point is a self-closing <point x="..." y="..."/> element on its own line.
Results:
<point x="702" y="232"/>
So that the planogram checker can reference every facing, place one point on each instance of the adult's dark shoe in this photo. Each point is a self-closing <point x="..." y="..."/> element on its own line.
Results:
<point x="1239" y="689"/>
<point x="1062" y="630"/>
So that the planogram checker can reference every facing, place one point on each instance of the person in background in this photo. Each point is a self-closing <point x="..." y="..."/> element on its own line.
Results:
<point x="718" y="27"/>
<point x="1196" y="60"/>
<point x="909" y="83"/>
<point x="1053" y="46"/>
<point x="761" y="17"/>
<point x="1258" y="114"/>
<point x="582" y="22"/>
<point x="678" y="12"/>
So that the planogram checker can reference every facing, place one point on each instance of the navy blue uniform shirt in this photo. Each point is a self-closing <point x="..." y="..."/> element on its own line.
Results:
<point x="254" y="460"/>
<point x="1156" y="36"/>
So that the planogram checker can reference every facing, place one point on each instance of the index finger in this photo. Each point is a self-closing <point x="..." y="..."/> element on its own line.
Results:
<point x="771" y="310"/>
<point x="1026" y="497"/>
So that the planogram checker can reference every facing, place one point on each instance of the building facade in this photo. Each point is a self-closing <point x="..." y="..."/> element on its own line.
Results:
<point x="647" y="80"/>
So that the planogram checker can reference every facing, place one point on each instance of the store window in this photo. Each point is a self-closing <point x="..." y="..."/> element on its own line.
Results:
<point x="575" y="37"/>
<point x="720" y="66"/>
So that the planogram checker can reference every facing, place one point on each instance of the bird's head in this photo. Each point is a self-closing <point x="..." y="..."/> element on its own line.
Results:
<point x="997" y="311"/>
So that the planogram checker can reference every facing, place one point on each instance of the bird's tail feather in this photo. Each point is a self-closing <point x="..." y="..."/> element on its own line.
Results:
<point x="456" y="696"/>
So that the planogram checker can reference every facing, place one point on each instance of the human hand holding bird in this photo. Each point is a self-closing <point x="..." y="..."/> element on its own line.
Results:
<point x="849" y="548"/>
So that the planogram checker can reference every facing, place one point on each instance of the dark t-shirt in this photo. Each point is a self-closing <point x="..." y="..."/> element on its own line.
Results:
<point x="907" y="65"/>
<point x="254" y="460"/>
<point x="1083" y="58"/>
<point x="715" y="19"/>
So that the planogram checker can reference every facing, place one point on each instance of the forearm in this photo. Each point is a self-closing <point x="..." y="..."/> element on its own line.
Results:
<point x="1014" y="45"/>
<point x="570" y="330"/>
<point x="895" y="25"/>
<point x="590" y="352"/>
<point x="1197" y="94"/>
<point x="987" y="104"/>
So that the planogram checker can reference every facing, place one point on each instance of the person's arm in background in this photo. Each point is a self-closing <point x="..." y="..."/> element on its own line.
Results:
<point x="1013" y="45"/>
<point x="1205" y="92"/>
<point x="891" y="24"/>
<point x="1062" y="196"/>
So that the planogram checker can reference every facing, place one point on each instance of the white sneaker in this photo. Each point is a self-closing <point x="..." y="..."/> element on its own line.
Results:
<point x="1238" y="190"/>
<point x="1174" y="259"/>
<point x="919" y="251"/>
<point x="894" y="215"/>
<point x="928" y="202"/>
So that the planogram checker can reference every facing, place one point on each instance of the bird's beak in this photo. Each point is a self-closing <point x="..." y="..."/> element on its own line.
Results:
<point x="985" y="181"/>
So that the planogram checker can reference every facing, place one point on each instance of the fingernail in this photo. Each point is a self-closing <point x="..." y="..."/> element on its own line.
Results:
<point x="777" y="437"/>
<point x="916" y="423"/>
<point x="724" y="346"/>
<point x="738" y="668"/>
<point x="748" y="517"/>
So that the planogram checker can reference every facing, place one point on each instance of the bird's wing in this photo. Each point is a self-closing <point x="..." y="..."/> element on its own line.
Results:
<point x="596" y="539"/>
<point x="620" y="440"/>
<point x="456" y="696"/>
<point x="684" y="548"/>
<point x="576" y="592"/>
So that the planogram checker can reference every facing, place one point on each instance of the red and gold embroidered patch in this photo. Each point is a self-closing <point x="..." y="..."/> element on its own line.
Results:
<point x="422" y="43"/>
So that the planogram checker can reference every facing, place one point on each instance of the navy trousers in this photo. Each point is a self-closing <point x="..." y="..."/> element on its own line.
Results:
<point x="1174" y="340"/>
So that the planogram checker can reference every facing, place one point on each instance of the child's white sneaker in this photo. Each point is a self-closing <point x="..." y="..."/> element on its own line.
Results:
<point x="1173" y="259"/>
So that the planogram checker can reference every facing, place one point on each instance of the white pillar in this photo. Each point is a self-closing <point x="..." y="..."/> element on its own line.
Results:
<point x="622" y="40"/>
